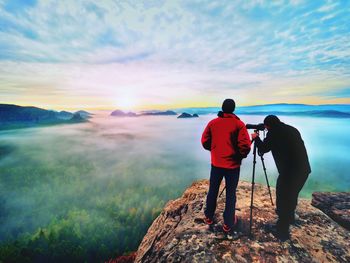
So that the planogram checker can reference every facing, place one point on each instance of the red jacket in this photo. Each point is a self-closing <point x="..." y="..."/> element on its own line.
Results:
<point x="228" y="141"/>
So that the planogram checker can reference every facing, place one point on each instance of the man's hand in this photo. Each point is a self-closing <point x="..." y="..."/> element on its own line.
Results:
<point x="254" y="135"/>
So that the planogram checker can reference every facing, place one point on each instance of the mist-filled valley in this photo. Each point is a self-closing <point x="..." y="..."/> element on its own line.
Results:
<point x="89" y="191"/>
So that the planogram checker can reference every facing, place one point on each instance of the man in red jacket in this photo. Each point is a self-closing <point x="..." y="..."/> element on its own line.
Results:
<point x="228" y="141"/>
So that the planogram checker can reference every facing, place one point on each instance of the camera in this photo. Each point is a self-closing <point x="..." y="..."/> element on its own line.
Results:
<point x="259" y="127"/>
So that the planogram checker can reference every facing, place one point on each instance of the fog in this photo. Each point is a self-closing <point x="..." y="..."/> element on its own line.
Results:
<point x="110" y="166"/>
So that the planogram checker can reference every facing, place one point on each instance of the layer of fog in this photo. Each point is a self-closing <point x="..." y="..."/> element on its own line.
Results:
<point x="161" y="152"/>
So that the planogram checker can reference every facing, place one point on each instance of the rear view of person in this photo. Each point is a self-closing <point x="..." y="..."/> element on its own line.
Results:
<point x="292" y="161"/>
<point x="228" y="141"/>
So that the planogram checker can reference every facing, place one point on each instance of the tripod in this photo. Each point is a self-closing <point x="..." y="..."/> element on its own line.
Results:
<point x="253" y="184"/>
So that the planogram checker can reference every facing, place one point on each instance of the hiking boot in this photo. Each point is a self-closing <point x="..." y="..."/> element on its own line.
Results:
<point x="293" y="220"/>
<point x="228" y="229"/>
<point x="282" y="231"/>
<point x="282" y="235"/>
<point x="208" y="221"/>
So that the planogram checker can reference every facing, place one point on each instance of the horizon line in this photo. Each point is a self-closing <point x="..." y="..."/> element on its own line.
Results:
<point x="165" y="109"/>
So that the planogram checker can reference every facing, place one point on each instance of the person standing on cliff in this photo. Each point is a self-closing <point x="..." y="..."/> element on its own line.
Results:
<point x="289" y="153"/>
<point x="227" y="139"/>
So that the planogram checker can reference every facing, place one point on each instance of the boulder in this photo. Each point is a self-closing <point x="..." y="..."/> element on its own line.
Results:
<point x="335" y="205"/>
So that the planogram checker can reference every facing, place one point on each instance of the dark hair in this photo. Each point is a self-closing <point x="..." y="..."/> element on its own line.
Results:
<point x="271" y="120"/>
<point x="228" y="106"/>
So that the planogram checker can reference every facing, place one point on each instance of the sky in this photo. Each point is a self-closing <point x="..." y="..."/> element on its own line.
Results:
<point x="114" y="54"/>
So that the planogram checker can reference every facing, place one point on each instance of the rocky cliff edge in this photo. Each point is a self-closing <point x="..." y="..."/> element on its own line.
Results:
<point x="179" y="234"/>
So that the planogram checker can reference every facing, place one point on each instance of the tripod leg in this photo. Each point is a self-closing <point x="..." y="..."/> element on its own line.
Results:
<point x="252" y="192"/>
<point x="267" y="180"/>
<point x="222" y="191"/>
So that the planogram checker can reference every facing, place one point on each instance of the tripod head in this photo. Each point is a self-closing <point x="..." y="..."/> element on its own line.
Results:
<point x="257" y="132"/>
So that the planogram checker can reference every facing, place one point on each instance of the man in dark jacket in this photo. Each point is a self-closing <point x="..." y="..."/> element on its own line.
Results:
<point x="289" y="153"/>
<point x="227" y="138"/>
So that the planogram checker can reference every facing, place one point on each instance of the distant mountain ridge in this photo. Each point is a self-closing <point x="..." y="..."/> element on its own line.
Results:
<point x="316" y="113"/>
<point x="327" y="110"/>
<point x="159" y="113"/>
<point x="120" y="113"/>
<point x="14" y="116"/>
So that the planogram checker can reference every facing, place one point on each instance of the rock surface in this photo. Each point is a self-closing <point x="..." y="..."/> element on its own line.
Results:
<point x="335" y="205"/>
<point x="179" y="234"/>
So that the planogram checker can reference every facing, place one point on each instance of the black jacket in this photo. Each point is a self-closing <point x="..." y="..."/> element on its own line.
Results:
<point x="288" y="149"/>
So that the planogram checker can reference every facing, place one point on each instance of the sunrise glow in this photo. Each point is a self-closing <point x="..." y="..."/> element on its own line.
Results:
<point x="170" y="54"/>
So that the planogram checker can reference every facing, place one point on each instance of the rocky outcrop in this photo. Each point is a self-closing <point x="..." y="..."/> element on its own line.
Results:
<point x="179" y="234"/>
<point x="119" y="113"/>
<point x="84" y="114"/>
<point x="187" y="115"/>
<point x="335" y="205"/>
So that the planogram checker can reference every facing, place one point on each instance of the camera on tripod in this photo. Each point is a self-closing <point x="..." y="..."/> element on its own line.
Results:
<point x="259" y="127"/>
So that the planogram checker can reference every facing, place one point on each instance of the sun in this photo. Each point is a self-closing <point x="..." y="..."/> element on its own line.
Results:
<point x="126" y="103"/>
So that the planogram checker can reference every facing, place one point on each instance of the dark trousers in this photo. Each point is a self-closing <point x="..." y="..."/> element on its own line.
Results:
<point x="231" y="181"/>
<point x="287" y="190"/>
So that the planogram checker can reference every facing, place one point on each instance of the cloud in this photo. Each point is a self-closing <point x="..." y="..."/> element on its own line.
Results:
<point x="338" y="93"/>
<point x="328" y="7"/>
<point x="173" y="47"/>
